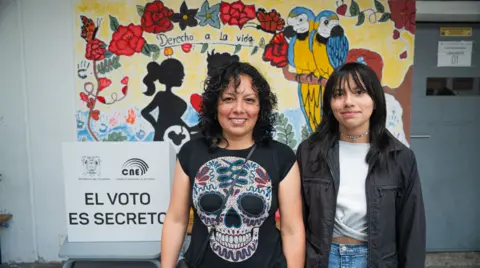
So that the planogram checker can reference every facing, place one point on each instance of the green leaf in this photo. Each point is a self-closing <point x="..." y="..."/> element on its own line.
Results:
<point x="140" y="10"/>
<point x="145" y="50"/>
<point x="115" y="136"/>
<point x="284" y="121"/>
<point x="153" y="48"/>
<point x="100" y="67"/>
<point x="156" y="55"/>
<point x="361" y="19"/>
<point x="354" y="9"/>
<point x="305" y="132"/>
<point x="114" y="23"/>
<point x="108" y="54"/>
<point x="282" y="135"/>
<point x="116" y="59"/>
<point x="290" y="135"/>
<point x="280" y="128"/>
<point x="204" y="47"/>
<point x="255" y="49"/>
<point x="385" y="17"/>
<point x="288" y="130"/>
<point x="238" y="47"/>
<point x="292" y="143"/>
<point x="380" y="8"/>
<point x="262" y="43"/>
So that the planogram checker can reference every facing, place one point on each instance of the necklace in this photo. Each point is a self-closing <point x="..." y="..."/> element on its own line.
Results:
<point x="354" y="137"/>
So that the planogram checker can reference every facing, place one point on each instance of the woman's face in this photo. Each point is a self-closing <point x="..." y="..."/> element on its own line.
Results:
<point x="352" y="107"/>
<point x="238" y="109"/>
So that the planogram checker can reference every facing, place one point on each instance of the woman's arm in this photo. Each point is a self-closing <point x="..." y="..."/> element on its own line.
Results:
<point x="176" y="220"/>
<point x="291" y="219"/>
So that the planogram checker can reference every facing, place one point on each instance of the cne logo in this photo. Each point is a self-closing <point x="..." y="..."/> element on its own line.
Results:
<point x="134" y="167"/>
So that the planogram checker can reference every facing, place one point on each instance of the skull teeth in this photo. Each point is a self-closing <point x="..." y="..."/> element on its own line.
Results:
<point x="233" y="241"/>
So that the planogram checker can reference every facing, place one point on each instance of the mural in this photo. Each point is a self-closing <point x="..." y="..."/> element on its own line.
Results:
<point x="141" y="64"/>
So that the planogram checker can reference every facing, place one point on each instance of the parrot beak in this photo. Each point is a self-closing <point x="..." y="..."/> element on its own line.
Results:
<point x="289" y="32"/>
<point x="337" y="31"/>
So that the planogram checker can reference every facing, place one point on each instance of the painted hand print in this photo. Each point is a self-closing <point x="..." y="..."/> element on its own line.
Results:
<point x="140" y="68"/>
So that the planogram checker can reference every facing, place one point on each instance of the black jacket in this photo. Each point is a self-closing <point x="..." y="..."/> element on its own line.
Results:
<point x="395" y="210"/>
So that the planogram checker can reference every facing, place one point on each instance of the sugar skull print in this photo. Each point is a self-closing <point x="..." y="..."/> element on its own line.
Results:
<point x="236" y="234"/>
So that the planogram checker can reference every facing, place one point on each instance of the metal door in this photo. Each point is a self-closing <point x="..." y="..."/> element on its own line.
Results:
<point x="445" y="135"/>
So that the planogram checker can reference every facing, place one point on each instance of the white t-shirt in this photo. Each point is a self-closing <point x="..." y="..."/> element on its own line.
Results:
<point x="351" y="210"/>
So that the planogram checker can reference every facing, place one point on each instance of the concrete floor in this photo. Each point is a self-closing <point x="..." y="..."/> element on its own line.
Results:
<point x="130" y="265"/>
<point x="433" y="260"/>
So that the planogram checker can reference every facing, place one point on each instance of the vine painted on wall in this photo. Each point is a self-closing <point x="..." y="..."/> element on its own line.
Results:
<point x="141" y="67"/>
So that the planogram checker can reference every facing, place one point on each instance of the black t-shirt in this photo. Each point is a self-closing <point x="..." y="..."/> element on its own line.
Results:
<point x="246" y="235"/>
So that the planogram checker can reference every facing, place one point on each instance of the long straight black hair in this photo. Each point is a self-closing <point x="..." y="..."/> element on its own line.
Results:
<point x="327" y="132"/>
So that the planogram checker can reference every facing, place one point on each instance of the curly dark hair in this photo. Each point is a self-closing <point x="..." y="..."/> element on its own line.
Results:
<point x="221" y="79"/>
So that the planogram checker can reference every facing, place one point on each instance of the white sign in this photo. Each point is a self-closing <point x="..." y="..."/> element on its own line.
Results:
<point x="454" y="54"/>
<point x="117" y="191"/>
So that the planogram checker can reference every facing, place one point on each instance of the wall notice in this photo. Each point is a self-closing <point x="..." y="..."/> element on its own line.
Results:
<point x="454" y="53"/>
<point x="117" y="191"/>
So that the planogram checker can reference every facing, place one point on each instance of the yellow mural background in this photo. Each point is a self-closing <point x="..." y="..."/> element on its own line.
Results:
<point x="373" y="36"/>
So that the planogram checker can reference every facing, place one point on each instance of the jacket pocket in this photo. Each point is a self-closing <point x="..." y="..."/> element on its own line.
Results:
<point x="389" y="261"/>
<point x="386" y="189"/>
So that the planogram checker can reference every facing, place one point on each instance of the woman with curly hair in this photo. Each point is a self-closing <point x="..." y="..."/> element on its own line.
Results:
<point x="236" y="176"/>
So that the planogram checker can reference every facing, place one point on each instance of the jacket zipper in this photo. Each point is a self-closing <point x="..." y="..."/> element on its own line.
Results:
<point x="335" y="205"/>
<point x="369" y="220"/>
<point x="369" y="216"/>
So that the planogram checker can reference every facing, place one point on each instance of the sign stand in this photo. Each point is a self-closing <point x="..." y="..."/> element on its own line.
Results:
<point x="110" y="251"/>
<point x="117" y="195"/>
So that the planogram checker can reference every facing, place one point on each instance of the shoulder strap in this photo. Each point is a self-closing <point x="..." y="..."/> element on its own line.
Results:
<point x="219" y="212"/>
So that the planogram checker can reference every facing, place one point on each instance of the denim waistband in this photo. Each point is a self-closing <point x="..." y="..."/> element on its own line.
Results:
<point x="349" y="250"/>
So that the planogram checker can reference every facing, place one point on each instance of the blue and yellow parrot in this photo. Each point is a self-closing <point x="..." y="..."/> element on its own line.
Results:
<point x="328" y="43"/>
<point x="329" y="47"/>
<point x="300" y="24"/>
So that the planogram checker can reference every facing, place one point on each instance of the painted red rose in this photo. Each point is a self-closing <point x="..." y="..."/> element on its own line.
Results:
<point x="95" y="50"/>
<point x="236" y="13"/>
<point x="276" y="51"/>
<point x="156" y="18"/>
<point x="127" y="40"/>
<point x="403" y="14"/>
<point x="370" y="58"/>
<point x="270" y="21"/>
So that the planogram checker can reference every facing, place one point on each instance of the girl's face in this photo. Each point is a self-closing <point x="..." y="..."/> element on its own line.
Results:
<point x="352" y="107"/>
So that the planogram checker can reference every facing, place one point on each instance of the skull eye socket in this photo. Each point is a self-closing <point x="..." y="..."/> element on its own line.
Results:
<point x="210" y="202"/>
<point x="251" y="205"/>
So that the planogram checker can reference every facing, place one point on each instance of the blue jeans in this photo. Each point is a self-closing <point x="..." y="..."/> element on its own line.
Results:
<point x="348" y="256"/>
